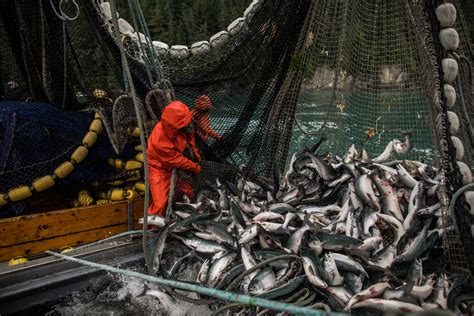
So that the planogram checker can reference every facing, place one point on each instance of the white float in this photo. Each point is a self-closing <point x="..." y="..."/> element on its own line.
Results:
<point x="219" y="39"/>
<point x="200" y="48"/>
<point x="469" y="196"/>
<point x="125" y="28"/>
<point x="450" y="69"/>
<point x="465" y="172"/>
<point x="458" y="146"/>
<point x="252" y="9"/>
<point x="236" y="26"/>
<point x="179" y="51"/>
<point x="453" y="121"/>
<point x="161" y="48"/>
<point x="449" y="39"/>
<point x="446" y="14"/>
<point x="450" y="94"/>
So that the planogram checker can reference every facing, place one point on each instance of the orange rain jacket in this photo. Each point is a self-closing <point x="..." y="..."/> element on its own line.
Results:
<point x="166" y="145"/>
<point x="202" y="105"/>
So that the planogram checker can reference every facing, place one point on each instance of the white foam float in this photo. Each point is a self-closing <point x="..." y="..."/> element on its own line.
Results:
<point x="219" y="39"/>
<point x="179" y="51"/>
<point x="140" y="36"/>
<point x="450" y="69"/>
<point x="469" y="196"/>
<point x="200" y="48"/>
<point x="161" y="48"/>
<point x="125" y="28"/>
<point x="449" y="38"/>
<point x="450" y="94"/>
<point x="236" y="26"/>
<point x="252" y="9"/>
<point x="446" y="14"/>
<point x="105" y="10"/>
<point x="458" y="146"/>
<point x="453" y="121"/>
<point x="465" y="172"/>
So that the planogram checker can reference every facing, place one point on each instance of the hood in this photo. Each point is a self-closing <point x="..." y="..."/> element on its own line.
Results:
<point x="203" y="102"/>
<point x="176" y="115"/>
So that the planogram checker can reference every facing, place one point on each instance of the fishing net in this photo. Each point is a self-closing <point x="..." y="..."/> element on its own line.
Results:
<point x="292" y="71"/>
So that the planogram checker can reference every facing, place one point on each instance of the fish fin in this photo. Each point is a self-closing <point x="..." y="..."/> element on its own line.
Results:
<point x="407" y="287"/>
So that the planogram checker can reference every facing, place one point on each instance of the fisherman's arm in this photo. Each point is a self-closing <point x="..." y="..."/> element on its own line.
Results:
<point x="174" y="159"/>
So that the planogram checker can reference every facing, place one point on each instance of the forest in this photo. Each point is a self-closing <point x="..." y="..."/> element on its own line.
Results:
<point x="188" y="21"/>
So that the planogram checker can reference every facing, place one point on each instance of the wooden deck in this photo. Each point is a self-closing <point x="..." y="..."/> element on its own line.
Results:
<point x="33" y="234"/>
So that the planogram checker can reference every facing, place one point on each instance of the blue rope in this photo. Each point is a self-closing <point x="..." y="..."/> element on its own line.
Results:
<point x="223" y="295"/>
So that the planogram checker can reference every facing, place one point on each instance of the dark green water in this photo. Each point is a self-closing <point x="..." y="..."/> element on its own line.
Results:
<point x="388" y="114"/>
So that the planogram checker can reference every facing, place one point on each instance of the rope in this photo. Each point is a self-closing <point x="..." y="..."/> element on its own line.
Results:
<point x="140" y="46"/>
<point x="169" y="207"/>
<point x="156" y="61"/>
<point x="64" y="17"/>
<point x="222" y="295"/>
<point x="142" y="133"/>
<point x="314" y="132"/>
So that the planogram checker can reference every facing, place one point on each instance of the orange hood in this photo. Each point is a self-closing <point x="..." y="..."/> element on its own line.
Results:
<point x="176" y="115"/>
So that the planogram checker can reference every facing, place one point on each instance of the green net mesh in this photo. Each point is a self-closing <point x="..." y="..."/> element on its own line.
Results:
<point x="356" y="71"/>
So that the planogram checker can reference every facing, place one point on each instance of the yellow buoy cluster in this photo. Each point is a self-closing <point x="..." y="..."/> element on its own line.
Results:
<point x="130" y="187"/>
<point x="63" y="170"/>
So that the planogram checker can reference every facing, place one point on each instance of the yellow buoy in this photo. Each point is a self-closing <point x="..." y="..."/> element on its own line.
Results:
<point x="79" y="154"/>
<point x="43" y="183"/>
<point x="139" y="148"/>
<point x="139" y="157"/>
<point x="99" y="93"/>
<point x="103" y="202"/>
<point x="96" y="126"/>
<point x="17" y="260"/>
<point x="64" y="170"/>
<point x="140" y="186"/>
<point x="136" y="132"/>
<point x="133" y="164"/>
<point x="90" y="139"/>
<point x="85" y="198"/>
<point x="19" y="193"/>
<point x="66" y="249"/>
<point x="116" y="163"/>
<point x="3" y="201"/>
<point x="116" y="182"/>
<point x="134" y="178"/>
<point x="117" y="195"/>
<point x="132" y="195"/>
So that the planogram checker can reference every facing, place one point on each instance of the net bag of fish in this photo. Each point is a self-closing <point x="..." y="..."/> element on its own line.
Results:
<point x="351" y="233"/>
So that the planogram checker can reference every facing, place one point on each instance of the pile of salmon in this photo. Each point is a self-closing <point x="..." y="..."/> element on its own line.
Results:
<point x="350" y="233"/>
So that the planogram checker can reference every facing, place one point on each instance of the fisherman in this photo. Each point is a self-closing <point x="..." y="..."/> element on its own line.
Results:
<point x="166" y="146"/>
<point x="202" y="106"/>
